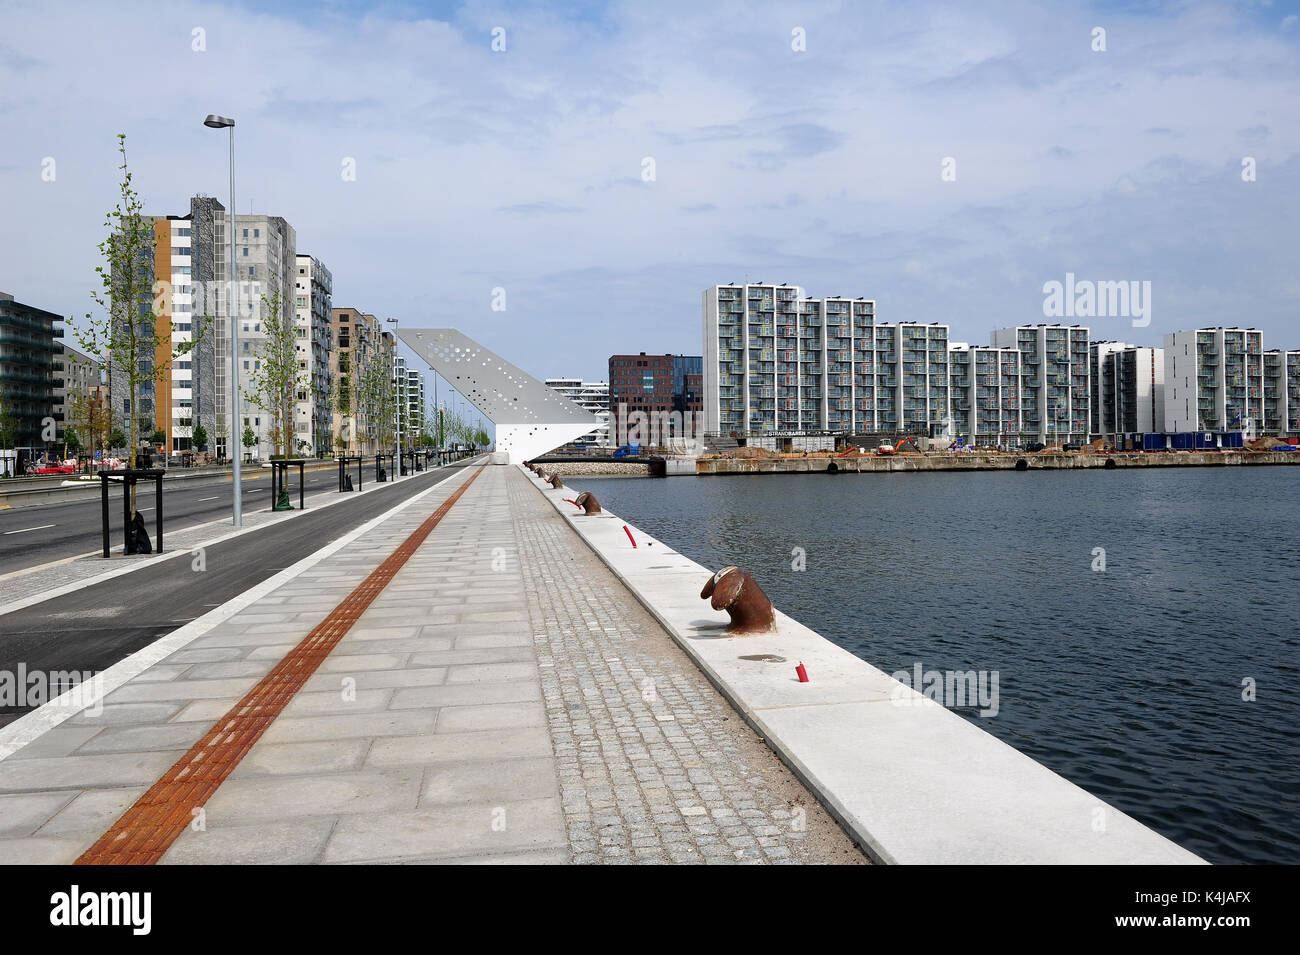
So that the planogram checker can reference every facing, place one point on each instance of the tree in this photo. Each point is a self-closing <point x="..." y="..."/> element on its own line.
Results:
<point x="117" y="439"/>
<point x="249" y="438"/>
<point x="376" y="398"/>
<point x="200" y="439"/>
<point x="275" y="376"/>
<point x="158" y="437"/>
<point x="345" y="402"/>
<point x="128" y="333"/>
<point x="10" y="424"/>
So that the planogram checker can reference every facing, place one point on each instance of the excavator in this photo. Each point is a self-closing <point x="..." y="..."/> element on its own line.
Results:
<point x="905" y="444"/>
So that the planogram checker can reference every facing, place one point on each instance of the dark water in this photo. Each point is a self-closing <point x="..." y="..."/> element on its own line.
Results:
<point x="1127" y="682"/>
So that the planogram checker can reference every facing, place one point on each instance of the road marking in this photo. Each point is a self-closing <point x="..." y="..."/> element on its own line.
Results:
<point x="26" y="529"/>
<point x="147" y="830"/>
<point x="202" y="499"/>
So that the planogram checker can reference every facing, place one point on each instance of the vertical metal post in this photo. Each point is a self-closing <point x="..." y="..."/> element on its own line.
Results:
<point x="103" y="483"/>
<point x="128" y="483"/>
<point x="159" y="494"/>
<point x="232" y="306"/>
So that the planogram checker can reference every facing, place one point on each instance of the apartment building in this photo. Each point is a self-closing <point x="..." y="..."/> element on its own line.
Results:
<point x="984" y="396"/>
<point x="357" y="341"/>
<point x="1055" y="381"/>
<point x="30" y="339"/>
<point x="1282" y="392"/>
<point x="410" y="400"/>
<point x="1214" y="381"/>
<point x="314" y="410"/>
<point x="592" y="396"/>
<point x="777" y="361"/>
<point x="1128" y="390"/>
<point x="75" y="375"/>
<point x="190" y="272"/>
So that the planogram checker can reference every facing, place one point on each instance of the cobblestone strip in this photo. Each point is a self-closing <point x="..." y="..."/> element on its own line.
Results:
<point x="654" y="765"/>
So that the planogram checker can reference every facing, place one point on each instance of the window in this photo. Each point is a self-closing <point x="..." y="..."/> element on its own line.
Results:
<point x="245" y="369"/>
<point x="245" y="236"/>
<point x="257" y="233"/>
<point x="245" y="251"/>
<point x="250" y="274"/>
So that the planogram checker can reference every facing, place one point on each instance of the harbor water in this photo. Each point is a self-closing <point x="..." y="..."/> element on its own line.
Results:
<point x="1144" y="625"/>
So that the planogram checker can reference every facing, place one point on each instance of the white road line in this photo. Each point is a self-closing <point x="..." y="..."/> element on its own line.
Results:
<point x="202" y="499"/>
<point x="26" y="529"/>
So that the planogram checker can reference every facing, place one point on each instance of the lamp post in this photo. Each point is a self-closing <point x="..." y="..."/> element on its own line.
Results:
<point x="398" y="397"/>
<point x="232" y="300"/>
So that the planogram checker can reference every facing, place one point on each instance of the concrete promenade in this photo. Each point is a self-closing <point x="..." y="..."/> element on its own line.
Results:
<point x="503" y="699"/>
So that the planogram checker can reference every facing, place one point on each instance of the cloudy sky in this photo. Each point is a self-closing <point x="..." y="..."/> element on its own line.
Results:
<point x="614" y="160"/>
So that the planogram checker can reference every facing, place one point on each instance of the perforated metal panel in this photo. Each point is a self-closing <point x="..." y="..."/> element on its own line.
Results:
<point x="530" y="418"/>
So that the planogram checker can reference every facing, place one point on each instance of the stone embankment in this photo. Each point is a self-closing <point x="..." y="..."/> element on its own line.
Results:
<point x="567" y="468"/>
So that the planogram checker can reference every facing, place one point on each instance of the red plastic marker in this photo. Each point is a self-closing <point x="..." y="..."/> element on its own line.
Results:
<point x="803" y="673"/>
<point x="629" y="536"/>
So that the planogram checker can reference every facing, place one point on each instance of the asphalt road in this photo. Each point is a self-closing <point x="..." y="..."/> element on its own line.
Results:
<point x="45" y="532"/>
<point x="93" y="628"/>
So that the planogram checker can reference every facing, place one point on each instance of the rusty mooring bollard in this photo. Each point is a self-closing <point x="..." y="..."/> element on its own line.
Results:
<point x="555" y="481"/>
<point x="735" y="591"/>
<point x="587" y="501"/>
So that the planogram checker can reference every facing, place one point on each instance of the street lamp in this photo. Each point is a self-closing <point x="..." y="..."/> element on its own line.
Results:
<point x="398" y="397"/>
<point x="232" y="300"/>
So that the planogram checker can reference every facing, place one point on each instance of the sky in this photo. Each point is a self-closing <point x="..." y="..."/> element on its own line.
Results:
<point x="615" y="160"/>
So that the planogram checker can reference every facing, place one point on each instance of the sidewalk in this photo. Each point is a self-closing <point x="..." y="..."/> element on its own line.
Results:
<point x="503" y="699"/>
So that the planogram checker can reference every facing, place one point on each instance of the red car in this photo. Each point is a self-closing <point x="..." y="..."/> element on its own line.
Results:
<point x="57" y="469"/>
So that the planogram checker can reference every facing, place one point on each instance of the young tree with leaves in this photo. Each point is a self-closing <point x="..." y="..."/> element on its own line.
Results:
<point x="128" y="334"/>
<point x="275" y="377"/>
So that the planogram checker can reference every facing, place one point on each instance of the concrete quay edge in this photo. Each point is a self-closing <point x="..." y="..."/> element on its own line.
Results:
<point x="909" y="780"/>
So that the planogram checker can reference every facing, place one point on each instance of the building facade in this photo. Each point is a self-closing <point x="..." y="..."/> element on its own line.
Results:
<point x="1282" y="393"/>
<point x="1214" y="381"/>
<point x="1130" y="384"/>
<point x="777" y="361"/>
<point x="593" y="396"/>
<point x="985" y="394"/>
<point x="410" y="400"/>
<point x="76" y="375"/>
<point x="654" y="385"/>
<point x="357" y="342"/>
<point x="30" y="339"/>
<point x="314" y="411"/>
<point x="1055" y="381"/>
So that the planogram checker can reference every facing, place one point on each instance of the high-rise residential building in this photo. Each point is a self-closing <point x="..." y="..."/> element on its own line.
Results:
<point x="1282" y="393"/>
<point x="1128" y="385"/>
<point x="410" y="400"/>
<point x="191" y="254"/>
<point x="1055" y="390"/>
<point x="593" y="396"/>
<point x="29" y="347"/>
<point x="1102" y="387"/>
<point x="1214" y="381"/>
<point x="776" y="361"/>
<point x="314" y="413"/>
<point x="916" y="356"/>
<point x="358" y="341"/>
<point x="985" y="394"/>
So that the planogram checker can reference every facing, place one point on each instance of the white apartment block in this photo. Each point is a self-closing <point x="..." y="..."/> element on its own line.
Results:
<point x="1055" y="392"/>
<point x="985" y="394"/>
<point x="410" y="400"/>
<point x="777" y="361"/>
<point x="592" y="396"/>
<point x="1131" y="386"/>
<point x="1214" y="381"/>
<point x="1282" y="392"/>
<point x="313" y="412"/>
